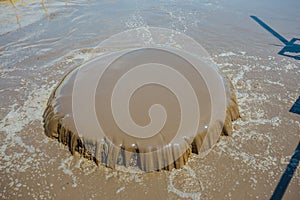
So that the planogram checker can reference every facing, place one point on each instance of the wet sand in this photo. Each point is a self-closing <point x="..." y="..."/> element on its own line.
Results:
<point x="247" y="165"/>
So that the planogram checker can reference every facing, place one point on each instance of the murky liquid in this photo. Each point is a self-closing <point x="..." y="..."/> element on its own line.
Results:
<point x="159" y="140"/>
<point x="39" y="44"/>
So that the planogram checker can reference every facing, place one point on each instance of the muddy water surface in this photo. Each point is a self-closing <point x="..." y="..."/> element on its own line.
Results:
<point x="38" y="46"/>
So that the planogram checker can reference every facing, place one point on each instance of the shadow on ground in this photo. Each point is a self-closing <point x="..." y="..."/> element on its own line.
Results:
<point x="292" y="166"/>
<point x="291" y="48"/>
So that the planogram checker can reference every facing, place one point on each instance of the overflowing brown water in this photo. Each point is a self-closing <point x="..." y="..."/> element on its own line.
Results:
<point x="126" y="149"/>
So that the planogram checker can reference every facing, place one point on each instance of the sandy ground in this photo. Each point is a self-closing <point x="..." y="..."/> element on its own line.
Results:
<point x="247" y="165"/>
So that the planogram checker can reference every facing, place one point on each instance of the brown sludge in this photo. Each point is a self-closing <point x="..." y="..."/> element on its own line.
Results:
<point x="59" y="124"/>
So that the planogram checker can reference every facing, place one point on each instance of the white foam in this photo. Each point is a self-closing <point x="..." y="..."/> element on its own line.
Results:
<point x="120" y="189"/>
<point x="227" y="54"/>
<point x="13" y="124"/>
<point x="182" y="194"/>
<point x="65" y="165"/>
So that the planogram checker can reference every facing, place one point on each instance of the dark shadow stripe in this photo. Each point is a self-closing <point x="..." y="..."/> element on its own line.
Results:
<point x="296" y="107"/>
<point x="287" y="175"/>
<point x="268" y="28"/>
<point x="291" y="48"/>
